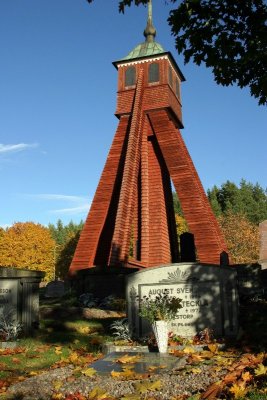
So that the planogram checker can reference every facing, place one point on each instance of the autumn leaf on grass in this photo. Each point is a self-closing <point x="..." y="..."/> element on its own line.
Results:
<point x="238" y="390"/>
<point x="99" y="394"/>
<point x="145" y="386"/>
<point x="261" y="370"/>
<point x="128" y="359"/>
<point x="74" y="358"/>
<point x="16" y="360"/>
<point x="58" y="350"/>
<point x="89" y="372"/>
<point x="83" y="329"/>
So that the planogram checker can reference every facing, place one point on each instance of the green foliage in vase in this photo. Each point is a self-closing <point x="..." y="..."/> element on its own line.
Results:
<point x="159" y="308"/>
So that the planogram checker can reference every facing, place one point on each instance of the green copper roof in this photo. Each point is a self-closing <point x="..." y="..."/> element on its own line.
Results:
<point x="149" y="47"/>
<point x="145" y="49"/>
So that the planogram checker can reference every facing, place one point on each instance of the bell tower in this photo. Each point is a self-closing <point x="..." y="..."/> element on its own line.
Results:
<point x="131" y="222"/>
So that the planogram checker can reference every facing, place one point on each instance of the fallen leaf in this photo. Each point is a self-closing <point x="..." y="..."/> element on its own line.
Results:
<point x="246" y="376"/>
<point x="152" y="368"/>
<point x="145" y="386"/>
<point x="89" y="372"/>
<point x="57" y="396"/>
<point x="126" y="359"/>
<point x="124" y="374"/>
<point x="131" y="396"/>
<point x="213" y="391"/>
<point x="238" y="391"/>
<point x="196" y="370"/>
<point x="261" y="370"/>
<point x="58" y="350"/>
<point x="213" y="347"/>
<point x="16" y="360"/>
<point x="74" y="358"/>
<point x="99" y="394"/>
<point x="57" y="385"/>
<point x="189" y="350"/>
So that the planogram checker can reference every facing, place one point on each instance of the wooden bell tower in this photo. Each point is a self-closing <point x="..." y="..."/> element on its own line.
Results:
<point x="131" y="222"/>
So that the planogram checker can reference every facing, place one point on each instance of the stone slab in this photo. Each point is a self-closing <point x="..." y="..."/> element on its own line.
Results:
<point x="161" y="362"/>
<point x="208" y="293"/>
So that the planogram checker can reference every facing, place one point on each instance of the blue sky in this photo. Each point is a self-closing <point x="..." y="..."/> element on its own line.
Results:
<point x="57" y="103"/>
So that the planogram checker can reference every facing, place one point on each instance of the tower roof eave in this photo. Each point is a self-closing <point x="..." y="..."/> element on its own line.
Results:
<point x="143" y="58"/>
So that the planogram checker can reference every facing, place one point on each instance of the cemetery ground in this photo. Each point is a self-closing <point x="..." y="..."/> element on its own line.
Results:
<point x="56" y="362"/>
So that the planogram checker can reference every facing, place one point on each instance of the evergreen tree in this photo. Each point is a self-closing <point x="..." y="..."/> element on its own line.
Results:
<point x="248" y="199"/>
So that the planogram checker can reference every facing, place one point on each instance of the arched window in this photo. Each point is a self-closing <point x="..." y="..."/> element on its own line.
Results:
<point x="170" y="76"/>
<point x="130" y="76"/>
<point x="153" y="72"/>
<point x="177" y="88"/>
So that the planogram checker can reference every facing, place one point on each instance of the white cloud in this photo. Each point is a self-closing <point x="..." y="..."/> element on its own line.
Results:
<point x="59" y="197"/>
<point x="72" y="210"/>
<point x="80" y="204"/>
<point x="14" y="148"/>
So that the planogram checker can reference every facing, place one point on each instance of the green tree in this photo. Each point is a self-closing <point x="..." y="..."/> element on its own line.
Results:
<point x="247" y="199"/>
<point x="66" y="239"/>
<point x="228" y="36"/>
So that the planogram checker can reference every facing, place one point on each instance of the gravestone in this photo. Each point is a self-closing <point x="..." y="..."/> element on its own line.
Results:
<point x="249" y="279"/>
<point x="19" y="289"/>
<point x="55" y="289"/>
<point x="208" y="293"/>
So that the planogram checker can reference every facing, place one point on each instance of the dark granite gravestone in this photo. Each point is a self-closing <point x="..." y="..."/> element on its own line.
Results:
<point x="208" y="293"/>
<point x="249" y="280"/>
<point x="19" y="289"/>
<point x="55" y="289"/>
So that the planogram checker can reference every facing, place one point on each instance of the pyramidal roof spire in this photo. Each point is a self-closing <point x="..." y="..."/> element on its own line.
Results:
<point x="149" y="47"/>
<point x="150" y="31"/>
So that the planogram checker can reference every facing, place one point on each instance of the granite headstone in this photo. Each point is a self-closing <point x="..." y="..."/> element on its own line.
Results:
<point x="208" y="293"/>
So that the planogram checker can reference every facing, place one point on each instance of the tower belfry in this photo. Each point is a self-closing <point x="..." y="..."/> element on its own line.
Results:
<point x="131" y="222"/>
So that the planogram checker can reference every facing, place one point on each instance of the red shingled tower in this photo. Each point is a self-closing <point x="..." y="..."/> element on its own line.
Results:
<point x="133" y="206"/>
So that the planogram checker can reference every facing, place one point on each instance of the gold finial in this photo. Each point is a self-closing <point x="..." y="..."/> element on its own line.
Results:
<point x="150" y="31"/>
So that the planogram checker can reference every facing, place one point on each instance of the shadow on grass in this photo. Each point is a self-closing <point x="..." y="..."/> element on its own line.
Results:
<point x="65" y="323"/>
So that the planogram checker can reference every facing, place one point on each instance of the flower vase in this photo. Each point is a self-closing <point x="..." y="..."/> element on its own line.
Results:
<point x="160" y="329"/>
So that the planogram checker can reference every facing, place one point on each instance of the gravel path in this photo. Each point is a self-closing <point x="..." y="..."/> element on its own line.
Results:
<point x="174" y="383"/>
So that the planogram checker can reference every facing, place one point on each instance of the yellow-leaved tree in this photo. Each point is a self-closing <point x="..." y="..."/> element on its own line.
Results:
<point x="242" y="237"/>
<point x="28" y="245"/>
